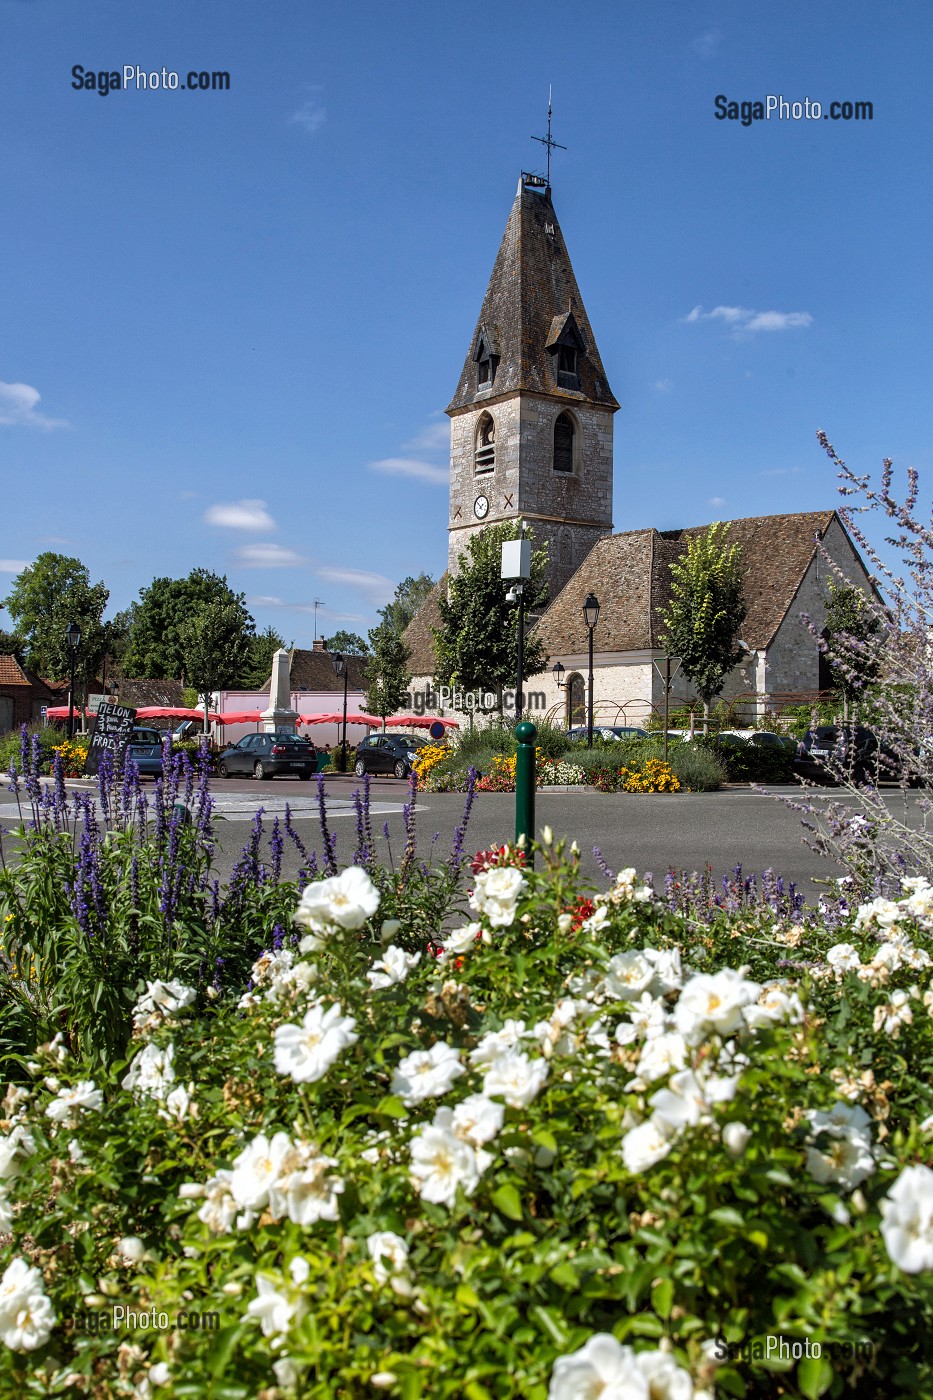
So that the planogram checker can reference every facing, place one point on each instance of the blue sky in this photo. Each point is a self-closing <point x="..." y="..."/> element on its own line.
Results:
<point x="221" y="309"/>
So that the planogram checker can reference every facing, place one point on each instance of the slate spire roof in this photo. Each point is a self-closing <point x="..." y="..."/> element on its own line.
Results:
<point x="532" y="305"/>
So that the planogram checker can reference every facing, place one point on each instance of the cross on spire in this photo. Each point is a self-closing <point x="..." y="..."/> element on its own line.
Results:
<point x="548" y="141"/>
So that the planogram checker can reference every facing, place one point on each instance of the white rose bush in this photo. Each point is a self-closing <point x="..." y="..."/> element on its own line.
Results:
<point x="525" y="1139"/>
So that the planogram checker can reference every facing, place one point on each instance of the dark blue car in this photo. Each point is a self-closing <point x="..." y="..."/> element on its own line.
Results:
<point x="145" y="749"/>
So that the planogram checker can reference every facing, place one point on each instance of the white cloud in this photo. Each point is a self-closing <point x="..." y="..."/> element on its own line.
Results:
<point x="664" y="386"/>
<point x="412" y="467"/>
<point x="267" y="556"/>
<point x="716" y="501"/>
<point x="742" y="319"/>
<point x="375" y="588"/>
<point x="782" y="471"/>
<point x="240" y="515"/>
<point x="262" y="600"/>
<point x="778" y="320"/>
<point x="311" y="114"/>
<point x="435" y="437"/>
<point x="18" y="408"/>
<point x="12" y="566"/>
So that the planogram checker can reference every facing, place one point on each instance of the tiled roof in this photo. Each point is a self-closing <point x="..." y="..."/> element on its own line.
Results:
<point x="313" y="670"/>
<point x="418" y="636"/>
<point x="630" y="575"/>
<point x="11" y="672"/>
<point x="138" y="692"/>
<point x="530" y="292"/>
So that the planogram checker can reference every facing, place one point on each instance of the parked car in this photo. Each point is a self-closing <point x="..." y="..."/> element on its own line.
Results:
<point x="145" y="749"/>
<point x="269" y="756"/>
<point x="608" y="731"/>
<point x="387" y="753"/>
<point x="855" y="750"/>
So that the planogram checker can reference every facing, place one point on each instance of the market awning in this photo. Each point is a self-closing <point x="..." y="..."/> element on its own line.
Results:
<point x="420" y="722"/>
<point x="370" y="720"/>
<point x="172" y="712"/>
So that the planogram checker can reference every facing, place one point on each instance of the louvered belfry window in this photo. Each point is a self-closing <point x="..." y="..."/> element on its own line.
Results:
<point x="485" y="455"/>
<point x="563" y="443"/>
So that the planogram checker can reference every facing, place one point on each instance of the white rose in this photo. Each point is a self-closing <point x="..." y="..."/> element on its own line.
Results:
<point x="26" y="1315"/>
<point x="713" y="1002"/>
<point x="477" y="1119"/>
<point x="389" y="1254"/>
<point x="83" y="1096"/>
<point x="271" y="1307"/>
<point x="628" y="975"/>
<point x="342" y="901"/>
<point x="440" y="1162"/>
<point x="426" y="1073"/>
<point x="393" y="967"/>
<point x="515" y="1078"/>
<point x="643" y="1146"/>
<point x="306" y="1052"/>
<point x="735" y="1138"/>
<point x="907" y="1220"/>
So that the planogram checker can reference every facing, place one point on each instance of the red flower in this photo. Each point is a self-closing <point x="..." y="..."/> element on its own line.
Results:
<point x="496" y="855"/>
<point x="583" y="909"/>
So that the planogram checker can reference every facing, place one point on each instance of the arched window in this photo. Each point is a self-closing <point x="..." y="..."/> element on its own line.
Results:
<point x="563" y="443"/>
<point x="484" y="453"/>
<point x="576" y="700"/>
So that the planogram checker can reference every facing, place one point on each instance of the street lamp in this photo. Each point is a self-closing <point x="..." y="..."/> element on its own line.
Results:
<point x="667" y="675"/>
<point x="341" y="668"/>
<point x="590" y="617"/>
<point x="73" y="638"/>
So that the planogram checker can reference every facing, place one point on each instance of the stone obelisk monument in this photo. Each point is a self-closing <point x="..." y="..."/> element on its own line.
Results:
<point x="280" y="714"/>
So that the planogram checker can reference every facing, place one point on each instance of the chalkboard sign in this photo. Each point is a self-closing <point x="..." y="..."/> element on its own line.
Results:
<point x="111" y="734"/>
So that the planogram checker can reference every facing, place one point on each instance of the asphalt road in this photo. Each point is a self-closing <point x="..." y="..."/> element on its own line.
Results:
<point x="648" y="831"/>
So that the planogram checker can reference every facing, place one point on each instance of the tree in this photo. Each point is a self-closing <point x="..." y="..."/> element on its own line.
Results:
<point x="164" y="608"/>
<point x="258" y="668"/>
<point x="387" y="675"/>
<point x="409" y="595"/>
<point x="853" y="653"/>
<point x="476" y="646"/>
<point x="348" y="644"/>
<point x="48" y="595"/>
<point x="12" y="644"/>
<point x="216" y="649"/>
<point x="707" y="608"/>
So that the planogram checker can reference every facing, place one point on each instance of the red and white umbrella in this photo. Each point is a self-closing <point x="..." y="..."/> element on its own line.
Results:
<point x="61" y="712"/>
<point x="240" y="716"/>
<point x="172" y="712"/>
<point x="370" y="720"/>
<point x="420" y="722"/>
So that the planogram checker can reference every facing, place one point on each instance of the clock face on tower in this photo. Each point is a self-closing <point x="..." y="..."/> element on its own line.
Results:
<point x="481" y="507"/>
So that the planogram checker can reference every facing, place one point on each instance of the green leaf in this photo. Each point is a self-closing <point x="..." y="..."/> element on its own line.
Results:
<point x="814" y="1376"/>
<point x="508" y="1201"/>
<point x="391" y="1107"/>
<point x="662" y="1297"/>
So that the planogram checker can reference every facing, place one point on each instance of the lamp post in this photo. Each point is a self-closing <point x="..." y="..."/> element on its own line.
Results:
<point x="590" y="617"/>
<point x="73" y="638"/>
<point x="517" y="594"/>
<point x="557" y="671"/>
<point x="341" y="668"/>
<point x="516" y="568"/>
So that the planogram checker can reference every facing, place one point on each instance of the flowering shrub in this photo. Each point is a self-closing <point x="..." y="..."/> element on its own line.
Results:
<point x="611" y="1156"/>
<point x="559" y="771"/>
<point x="652" y="775"/>
<point x="500" y="776"/>
<point x="72" y="753"/>
<point x="429" y="757"/>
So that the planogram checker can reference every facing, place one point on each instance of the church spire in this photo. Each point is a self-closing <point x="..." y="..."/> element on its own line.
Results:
<point x="533" y="333"/>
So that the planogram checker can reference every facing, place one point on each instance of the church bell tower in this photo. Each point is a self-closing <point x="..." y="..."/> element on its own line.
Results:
<point x="531" y="420"/>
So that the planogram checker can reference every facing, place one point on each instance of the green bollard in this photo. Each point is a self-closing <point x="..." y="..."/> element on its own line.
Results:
<point x="525" y="733"/>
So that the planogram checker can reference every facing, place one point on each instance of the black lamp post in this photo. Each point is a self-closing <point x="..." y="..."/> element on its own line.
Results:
<point x="341" y="668"/>
<point x="557" y="671"/>
<point x="73" y="638"/>
<point x="590" y="617"/>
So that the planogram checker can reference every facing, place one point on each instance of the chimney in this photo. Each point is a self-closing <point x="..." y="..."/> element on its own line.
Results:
<point x="320" y="644"/>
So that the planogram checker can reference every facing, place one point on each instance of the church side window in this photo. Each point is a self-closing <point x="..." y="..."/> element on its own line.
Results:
<point x="484" y="457"/>
<point x="563" y="443"/>
<point x="486" y="371"/>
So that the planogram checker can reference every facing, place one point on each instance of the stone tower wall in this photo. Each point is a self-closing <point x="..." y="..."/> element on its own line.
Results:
<point x="568" y="512"/>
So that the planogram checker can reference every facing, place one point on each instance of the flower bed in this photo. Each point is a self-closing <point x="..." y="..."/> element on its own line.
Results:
<point x="652" y="775"/>
<point x="573" y="1145"/>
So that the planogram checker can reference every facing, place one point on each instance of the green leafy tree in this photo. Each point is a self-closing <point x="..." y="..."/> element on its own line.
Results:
<point x="409" y="595"/>
<point x="164" y="608"/>
<point x="258" y="668"/>
<point x="387" y="674"/>
<point x="348" y="644"/>
<point x="702" y="621"/>
<point x="476" y="645"/>
<point x="852" y="637"/>
<point x="216" y="649"/>
<point x="49" y="594"/>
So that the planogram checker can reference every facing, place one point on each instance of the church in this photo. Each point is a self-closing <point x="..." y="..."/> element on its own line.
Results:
<point x="531" y="439"/>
